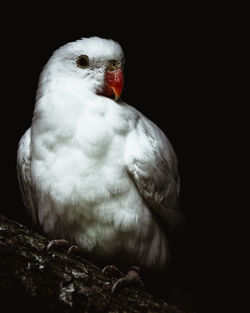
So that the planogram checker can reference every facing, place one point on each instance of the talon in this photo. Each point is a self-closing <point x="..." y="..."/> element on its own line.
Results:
<point x="132" y="278"/>
<point x="112" y="271"/>
<point x="57" y="243"/>
<point x="73" y="249"/>
<point x="119" y="284"/>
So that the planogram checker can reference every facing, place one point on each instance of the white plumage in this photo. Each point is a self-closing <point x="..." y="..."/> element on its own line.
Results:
<point x="95" y="171"/>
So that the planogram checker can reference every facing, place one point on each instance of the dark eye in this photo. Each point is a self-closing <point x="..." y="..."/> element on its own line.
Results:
<point x="82" y="61"/>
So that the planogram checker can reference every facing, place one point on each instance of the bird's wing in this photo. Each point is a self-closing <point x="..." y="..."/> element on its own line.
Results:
<point x="152" y="165"/>
<point x="24" y="176"/>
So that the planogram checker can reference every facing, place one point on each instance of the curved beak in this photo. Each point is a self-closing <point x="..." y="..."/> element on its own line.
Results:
<point x="114" y="81"/>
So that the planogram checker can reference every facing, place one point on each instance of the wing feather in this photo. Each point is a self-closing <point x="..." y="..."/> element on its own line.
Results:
<point x="153" y="166"/>
<point x="24" y="176"/>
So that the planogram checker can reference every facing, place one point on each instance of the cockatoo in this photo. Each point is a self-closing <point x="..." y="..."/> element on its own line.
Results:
<point x="93" y="170"/>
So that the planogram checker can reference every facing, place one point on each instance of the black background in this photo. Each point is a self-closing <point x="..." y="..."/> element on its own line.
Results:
<point x="177" y="73"/>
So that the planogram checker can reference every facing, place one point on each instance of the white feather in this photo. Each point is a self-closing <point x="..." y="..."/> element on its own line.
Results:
<point x="85" y="163"/>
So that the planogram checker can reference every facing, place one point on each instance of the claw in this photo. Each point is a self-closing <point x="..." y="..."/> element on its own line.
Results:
<point x="112" y="271"/>
<point x="73" y="249"/>
<point x="57" y="243"/>
<point x="132" y="278"/>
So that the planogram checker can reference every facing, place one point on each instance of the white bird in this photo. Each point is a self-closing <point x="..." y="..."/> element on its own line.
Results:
<point x="92" y="169"/>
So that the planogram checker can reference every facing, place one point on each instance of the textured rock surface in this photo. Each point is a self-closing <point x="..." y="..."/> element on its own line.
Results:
<point x="33" y="279"/>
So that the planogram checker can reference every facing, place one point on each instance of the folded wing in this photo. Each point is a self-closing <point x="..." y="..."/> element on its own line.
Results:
<point x="24" y="177"/>
<point x="152" y="165"/>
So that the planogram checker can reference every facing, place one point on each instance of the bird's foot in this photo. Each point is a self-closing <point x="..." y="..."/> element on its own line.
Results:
<point x="132" y="278"/>
<point x="72" y="249"/>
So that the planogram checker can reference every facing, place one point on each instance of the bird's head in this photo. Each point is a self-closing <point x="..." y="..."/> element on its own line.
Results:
<point x="93" y="64"/>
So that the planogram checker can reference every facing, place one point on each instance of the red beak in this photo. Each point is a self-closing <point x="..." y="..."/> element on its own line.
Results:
<point x="114" y="81"/>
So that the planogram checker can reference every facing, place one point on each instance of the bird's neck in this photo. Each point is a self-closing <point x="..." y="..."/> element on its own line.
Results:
<point x="62" y="106"/>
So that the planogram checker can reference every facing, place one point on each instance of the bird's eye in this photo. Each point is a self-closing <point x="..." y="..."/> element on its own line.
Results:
<point x="82" y="61"/>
